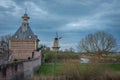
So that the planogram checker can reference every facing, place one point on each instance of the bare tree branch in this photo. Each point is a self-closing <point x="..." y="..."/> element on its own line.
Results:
<point x="99" y="42"/>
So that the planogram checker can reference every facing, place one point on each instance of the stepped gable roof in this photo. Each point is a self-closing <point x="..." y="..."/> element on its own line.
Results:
<point x="24" y="32"/>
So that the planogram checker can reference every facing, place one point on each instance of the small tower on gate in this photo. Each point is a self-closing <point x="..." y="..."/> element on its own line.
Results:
<point x="24" y="41"/>
<point x="56" y="46"/>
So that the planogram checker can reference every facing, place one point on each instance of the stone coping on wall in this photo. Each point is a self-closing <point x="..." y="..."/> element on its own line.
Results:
<point x="20" y="61"/>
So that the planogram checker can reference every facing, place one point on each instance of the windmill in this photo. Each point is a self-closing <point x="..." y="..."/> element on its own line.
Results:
<point x="56" y="43"/>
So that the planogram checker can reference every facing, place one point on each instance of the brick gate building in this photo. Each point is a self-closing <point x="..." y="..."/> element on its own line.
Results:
<point x="24" y="41"/>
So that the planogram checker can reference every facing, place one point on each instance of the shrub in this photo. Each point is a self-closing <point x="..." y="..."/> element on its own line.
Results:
<point x="49" y="56"/>
<point x="75" y="71"/>
<point x="111" y="76"/>
<point x="15" y="60"/>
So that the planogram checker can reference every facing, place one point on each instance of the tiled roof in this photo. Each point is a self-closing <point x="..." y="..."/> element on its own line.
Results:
<point x="24" y="32"/>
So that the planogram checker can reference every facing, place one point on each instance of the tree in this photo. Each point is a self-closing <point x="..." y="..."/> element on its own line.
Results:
<point x="70" y="50"/>
<point x="5" y="38"/>
<point x="5" y="52"/>
<point x="99" y="42"/>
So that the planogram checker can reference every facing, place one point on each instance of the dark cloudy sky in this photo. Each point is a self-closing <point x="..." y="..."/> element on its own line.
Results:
<point x="72" y="19"/>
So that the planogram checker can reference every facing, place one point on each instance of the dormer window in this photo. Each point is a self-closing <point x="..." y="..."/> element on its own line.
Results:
<point x="16" y="36"/>
<point x="29" y="36"/>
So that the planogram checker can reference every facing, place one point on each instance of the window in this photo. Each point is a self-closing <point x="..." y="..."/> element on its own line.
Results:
<point x="16" y="36"/>
<point x="29" y="36"/>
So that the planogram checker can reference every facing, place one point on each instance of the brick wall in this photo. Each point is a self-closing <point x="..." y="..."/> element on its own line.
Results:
<point x="21" y="70"/>
<point x="22" y="49"/>
<point x="12" y="71"/>
<point x="30" y="67"/>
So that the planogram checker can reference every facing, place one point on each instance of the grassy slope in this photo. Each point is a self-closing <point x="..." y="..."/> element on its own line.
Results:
<point x="56" y="68"/>
<point x="49" y="69"/>
<point x="115" y="67"/>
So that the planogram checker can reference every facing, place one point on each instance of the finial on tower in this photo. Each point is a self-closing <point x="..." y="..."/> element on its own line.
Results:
<point x="25" y="12"/>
